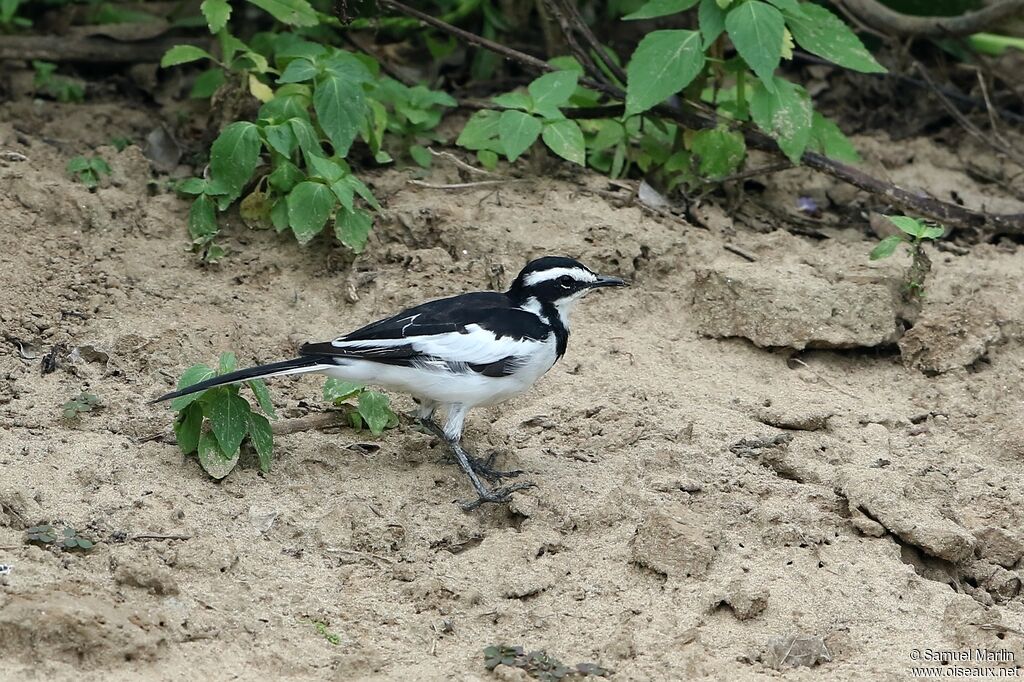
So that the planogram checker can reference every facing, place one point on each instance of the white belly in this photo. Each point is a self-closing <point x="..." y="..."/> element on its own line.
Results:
<point x="467" y="388"/>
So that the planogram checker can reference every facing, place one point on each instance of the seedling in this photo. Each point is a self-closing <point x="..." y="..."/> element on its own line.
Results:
<point x="83" y="402"/>
<point x="60" y="88"/>
<point x="913" y="233"/>
<point x="372" y="408"/>
<point x="539" y="664"/>
<point x="88" y="170"/>
<point x="213" y="423"/>
<point x="68" y="539"/>
<point x="321" y="629"/>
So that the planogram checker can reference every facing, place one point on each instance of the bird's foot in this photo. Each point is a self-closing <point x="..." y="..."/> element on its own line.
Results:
<point x="485" y="467"/>
<point x="499" y="496"/>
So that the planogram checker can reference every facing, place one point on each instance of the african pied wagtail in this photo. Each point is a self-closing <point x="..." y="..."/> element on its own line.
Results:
<point x="456" y="353"/>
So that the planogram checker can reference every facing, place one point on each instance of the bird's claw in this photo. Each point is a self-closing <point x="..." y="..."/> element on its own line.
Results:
<point x="485" y="468"/>
<point x="498" y="496"/>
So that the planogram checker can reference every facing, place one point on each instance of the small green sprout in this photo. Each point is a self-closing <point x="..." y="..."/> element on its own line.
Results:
<point x="60" y="88"/>
<point x="83" y="402"/>
<point x="213" y="423"/>
<point x="67" y="539"/>
<point x="321" y="629"/>
<point x="88" y="171"/>
<point x="372" y="408"/>
<point x="914" y="233"/>
<point x="539" y="664"/>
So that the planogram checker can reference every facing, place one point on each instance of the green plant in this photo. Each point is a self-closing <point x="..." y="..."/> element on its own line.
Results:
<point x="914" y="233"/>
<point x="317" y="102"/>
<point x="9" y="21"/>
<point x="213" y="423"/>
<point x="373" y="409"/>
<point x="68" y="539"/>
<point x="539" y="664"/>
<point x="321" y="629"/>
<point x="743" y="89"/>
<point x="83" y="402"/>
<point x="88" y="170"/>
<point x="60" y="88"/>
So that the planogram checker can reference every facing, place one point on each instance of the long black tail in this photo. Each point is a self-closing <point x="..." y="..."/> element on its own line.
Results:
<point x="308" y="363"/>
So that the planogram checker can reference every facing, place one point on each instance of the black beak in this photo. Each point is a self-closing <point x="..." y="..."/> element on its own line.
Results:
<point x="607" y="281"/>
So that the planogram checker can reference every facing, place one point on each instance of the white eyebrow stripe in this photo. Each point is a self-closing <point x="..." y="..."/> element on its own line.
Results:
<point x="578" y="274"/>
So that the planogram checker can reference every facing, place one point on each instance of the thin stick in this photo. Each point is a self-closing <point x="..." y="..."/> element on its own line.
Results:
<point x="465" y="185"/>
<point x="458" y="162"/>
<point x="746" y="255"/>
<point x="162" y="537"/>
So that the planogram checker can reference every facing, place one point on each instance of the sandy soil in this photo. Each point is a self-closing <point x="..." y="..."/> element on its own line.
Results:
<point x="651" y="546"/>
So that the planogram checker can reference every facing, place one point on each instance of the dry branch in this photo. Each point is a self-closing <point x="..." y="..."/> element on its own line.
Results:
<point x="890" y="22"/>
<point x="91" y="49"/>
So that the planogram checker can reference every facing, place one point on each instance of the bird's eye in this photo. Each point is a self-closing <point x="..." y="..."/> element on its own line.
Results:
<point x="565" y="281"/>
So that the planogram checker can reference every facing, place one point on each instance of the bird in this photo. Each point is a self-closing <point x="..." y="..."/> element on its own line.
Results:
<point x="454" y="354"/>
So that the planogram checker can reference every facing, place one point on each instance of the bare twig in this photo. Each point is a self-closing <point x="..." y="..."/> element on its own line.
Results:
<point x="313" y="422"/>
<point x="746" y="255"/>
<point x="465" y="185"/>
<point x="458" y="162"/>
<point x="891" y="22"/>
<point x="92" y="49"/>
<point x="162" y="537"/>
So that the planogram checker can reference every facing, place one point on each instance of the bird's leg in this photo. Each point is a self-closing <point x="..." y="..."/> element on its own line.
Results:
<point x="482" y="467"/>
<point x="451" y="435"/>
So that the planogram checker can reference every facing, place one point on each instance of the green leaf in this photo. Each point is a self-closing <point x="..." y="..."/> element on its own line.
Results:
<point x="663" y="63"/>
<point x="756" y="29"/>
<point x="339" y="390"/>
<point x="352" y="228"/>
<point x="183" y="54"/>
<point x="233" y="156"/>
<point x="340" y="108"/>
<point x="345" y="193"/>
<point x="259" y="388"/>
<point x="297" y="71"/>
<point x="292" y="12"/>
<point x="309" y="206"/>
<point x="517" y="131"/>
<point x="420" y="155"/>
<point x="788" y="7"/>
<point x="827" y="138"/>
<point x="229" y="418"/>
<point x="721" y="152"/>
<point x="309" y="143"/>
<point x="212" y="458"/>
<point x="375" y="410"/>
<point x="911" y="226"/>
<point x="279" y="215"/>
<point x="514" y="100"/>
<point x="190" y="377"/>
<point x="784" y="112"/>
<point x="281" y="138"/>
<point x="933" y="232"/>
<point x="552" y="90"/>
<point x="325" y="168"/>
<point x="285" y="176"/>
<point x="660" y="8"/>
<point x="262" y="437"/>
<point x="191" y="186"/>
<point x="822" y="33"/>
<point x="202" y="219"/>
<point x="711" y="20"/>
<point x="207" y="83"/>
<point x="78" y="164"/>
<point x="480" y="131"/>
<point x="187" y="427"/>
<point x="886" y="247"/>
<point x="217" y="13"/>
<point x="99" y="165"/>
<point x="566" y="139"/>
<point x="487" y="159"/>
<point x="228" y="362"/>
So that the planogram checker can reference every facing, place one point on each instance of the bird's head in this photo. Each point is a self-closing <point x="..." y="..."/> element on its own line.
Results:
<point x="559" y="282"/>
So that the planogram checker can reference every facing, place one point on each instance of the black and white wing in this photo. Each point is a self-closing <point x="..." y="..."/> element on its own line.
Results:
<point x="481" y="332"/>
